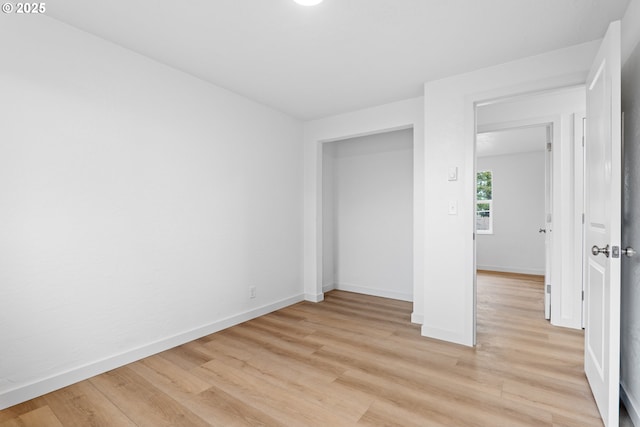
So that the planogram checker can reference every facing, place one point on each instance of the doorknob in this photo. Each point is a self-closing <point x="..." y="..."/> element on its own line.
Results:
<point x="542" y="230"/>
<point x="596" y="250"/>
<point x="629" y="251"/>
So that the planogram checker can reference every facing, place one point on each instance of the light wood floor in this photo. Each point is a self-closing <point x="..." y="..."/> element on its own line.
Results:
<point x="350" y="360"/>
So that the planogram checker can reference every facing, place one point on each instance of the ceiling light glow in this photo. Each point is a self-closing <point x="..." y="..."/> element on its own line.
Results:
<point x="308" y="2"/>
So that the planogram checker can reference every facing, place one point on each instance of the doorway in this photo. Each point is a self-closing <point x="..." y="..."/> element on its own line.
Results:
<point x="513" y="190"/>
<point x="368" y="207"/>
<point x="543" y="234"/>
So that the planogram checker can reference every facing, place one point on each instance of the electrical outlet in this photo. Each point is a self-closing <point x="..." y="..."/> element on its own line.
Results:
<point x="252" y="291"/>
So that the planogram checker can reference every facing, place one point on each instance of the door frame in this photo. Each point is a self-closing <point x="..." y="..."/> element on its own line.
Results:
<point x="385" y="118"/>
<point x="560" y="174"/>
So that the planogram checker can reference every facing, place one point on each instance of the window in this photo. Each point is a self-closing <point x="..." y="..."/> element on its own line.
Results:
<point x="484" y="202"/>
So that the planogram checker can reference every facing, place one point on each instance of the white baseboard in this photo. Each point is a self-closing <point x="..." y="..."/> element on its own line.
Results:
<point x="517" y="270"/>
<point x="43" y="386"/>
<point x="314" y="297"/>
<point x="445" y="335"/>
<point x="374" y="292"/>
<point x="632" y="405"/>
<point x="417" y="318"/>
<point x="328" y="287"/>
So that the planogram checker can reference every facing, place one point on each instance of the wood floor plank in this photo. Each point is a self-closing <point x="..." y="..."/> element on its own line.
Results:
<point x="555" y="402"/>
<point x="214" y="405"/>
<point x="172" y="373"/>
<point x="42" y="416"/>
<point x="285" y="405"/>
<point x="15" y="411"/>
<point x="301" y="375"/>
<point x="463" y="406"/>
<point x="142" y="402"/>
<point x="82" y="405"/>
<point x="187" y="356"/>
<point x="383" y="413"/>
<point x="351" y="360"/>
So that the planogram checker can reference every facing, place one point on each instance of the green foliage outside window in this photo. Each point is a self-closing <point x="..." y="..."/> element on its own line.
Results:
<point x="484" y="185"/>
<point x="484" y="203"/>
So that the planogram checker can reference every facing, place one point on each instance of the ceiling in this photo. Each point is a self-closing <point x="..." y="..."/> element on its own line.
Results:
<point x="511" y="141"/>
<point x="342" y="55"/>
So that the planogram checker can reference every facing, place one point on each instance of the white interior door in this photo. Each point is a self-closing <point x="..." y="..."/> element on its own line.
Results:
<point x="548" y="209"/>
<point x="603" y="200"/>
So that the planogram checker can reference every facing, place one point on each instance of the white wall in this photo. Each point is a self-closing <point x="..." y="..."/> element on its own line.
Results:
<point x="393" y="116"/>
<point x="518" y="213"/>
<point x="373" y="214"/>
<point x="137" y="205"/>
<point x="630" y="274"/>
<point x="449" y="141"/>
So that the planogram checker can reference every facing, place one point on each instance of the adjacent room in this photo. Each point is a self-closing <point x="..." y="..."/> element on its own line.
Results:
<point x="511" y="200"/>
<point x="319" y="212"/>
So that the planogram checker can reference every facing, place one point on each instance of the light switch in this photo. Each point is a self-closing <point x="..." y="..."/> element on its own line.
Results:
<point x="452" y="175"/>
<point x="453" y="207"/>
